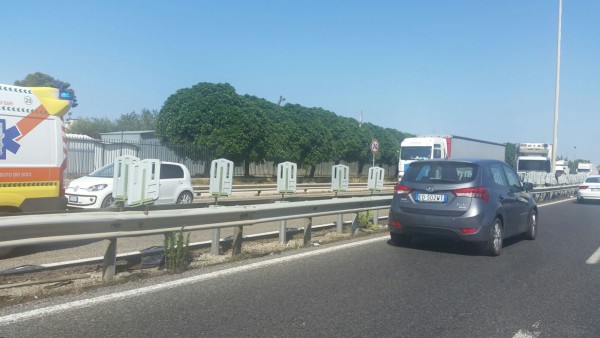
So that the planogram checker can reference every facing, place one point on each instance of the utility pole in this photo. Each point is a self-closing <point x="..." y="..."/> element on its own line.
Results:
<point x="555" y="139"/>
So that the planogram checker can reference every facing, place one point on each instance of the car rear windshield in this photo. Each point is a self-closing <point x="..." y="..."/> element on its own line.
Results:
<point x="441" y="172"/>
<point x="592" y="180"/>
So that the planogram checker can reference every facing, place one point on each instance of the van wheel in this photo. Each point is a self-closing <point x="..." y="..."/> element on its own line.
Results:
<point x="185" y="197"/>
<point x="531" y="232"/>
<point x="108" y="201"/>
<point x="494" y="243"/>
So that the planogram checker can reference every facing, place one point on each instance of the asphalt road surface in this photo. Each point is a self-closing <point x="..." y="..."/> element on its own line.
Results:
<point x="549" y="287"/>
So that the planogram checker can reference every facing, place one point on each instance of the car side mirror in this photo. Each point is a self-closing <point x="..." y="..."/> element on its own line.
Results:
<point x="528" y="186"/>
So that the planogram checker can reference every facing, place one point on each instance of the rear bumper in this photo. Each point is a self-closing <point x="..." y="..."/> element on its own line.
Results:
<point x="443" y="226"/>
<point x="588" y="195"/>
<point x="44" y="204"/>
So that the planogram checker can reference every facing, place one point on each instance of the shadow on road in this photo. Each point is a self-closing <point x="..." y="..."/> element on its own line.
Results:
<point x="444" y="245"/>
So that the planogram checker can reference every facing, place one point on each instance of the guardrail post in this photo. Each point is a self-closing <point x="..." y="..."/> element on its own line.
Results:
<point x="236" y="248"/>
<point x="110" y="261"/>
<point x="216" y="239"/>
<point x="376" y="217"/>
<point x="339" y="223"/>
<point x="282" y="231"/>
<point x="307" y="232"/>
<point x="355" y="223"/>
<point x="282" y="228"/>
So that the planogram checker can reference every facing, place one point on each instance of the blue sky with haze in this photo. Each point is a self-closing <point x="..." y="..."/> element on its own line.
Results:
<point x="477" y="68"/>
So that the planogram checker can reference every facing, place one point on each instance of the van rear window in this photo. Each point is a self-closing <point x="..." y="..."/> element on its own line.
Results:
<point x="441" y="172"/>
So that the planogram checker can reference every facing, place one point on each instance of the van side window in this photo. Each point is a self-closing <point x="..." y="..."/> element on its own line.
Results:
<point x="168" y="171"/>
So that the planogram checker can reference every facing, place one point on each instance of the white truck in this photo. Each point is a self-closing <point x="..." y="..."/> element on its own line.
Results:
<point x="534" y="157"/>
<point x="585" y="168"/>
<point x="562" y="167"/>
<point x="446" y="147"/>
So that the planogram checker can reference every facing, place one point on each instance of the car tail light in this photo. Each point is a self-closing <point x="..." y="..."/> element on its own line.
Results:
<point x="478" y="192"/>
<point x="583" y="187"/>
<point x="402" y="189"/>
<point x="467" y="231"/>
<point x="396" y="224"/>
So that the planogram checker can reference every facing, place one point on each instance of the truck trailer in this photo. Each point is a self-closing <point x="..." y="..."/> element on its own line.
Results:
<point x="446" y="147"/>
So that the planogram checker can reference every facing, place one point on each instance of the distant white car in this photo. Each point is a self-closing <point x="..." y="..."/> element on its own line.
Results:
<point x="95" y="189"/>
<point x="589" y="189"/>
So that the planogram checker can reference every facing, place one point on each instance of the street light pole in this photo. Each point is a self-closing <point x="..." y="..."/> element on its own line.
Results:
<point x="555" y="141"/>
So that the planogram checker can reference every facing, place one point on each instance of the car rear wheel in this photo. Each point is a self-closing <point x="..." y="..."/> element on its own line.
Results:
<point x="494" y="243"/>
<point x="185" y="197"/>
<point x="400" y="238"/>
<point x="531" y="232"/>
<point x="108" y="201"/>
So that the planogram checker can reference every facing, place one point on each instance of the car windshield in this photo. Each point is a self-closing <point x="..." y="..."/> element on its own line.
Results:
<point x="416" y="153"/>
<point x="534" y="165"/>
<point x="106" y="171"/>
<point x="441" y="172"/>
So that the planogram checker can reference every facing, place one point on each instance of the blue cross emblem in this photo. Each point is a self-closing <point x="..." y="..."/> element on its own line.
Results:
<point x="7" y="139"/>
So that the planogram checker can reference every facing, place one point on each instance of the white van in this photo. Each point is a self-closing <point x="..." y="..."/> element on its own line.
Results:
<point x="95" y="189"/>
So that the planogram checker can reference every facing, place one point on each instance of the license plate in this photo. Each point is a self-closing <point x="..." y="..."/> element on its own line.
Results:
<point x="72" y="198"/>
<point x="595" y="189"/>
<point x="434" y="198"/>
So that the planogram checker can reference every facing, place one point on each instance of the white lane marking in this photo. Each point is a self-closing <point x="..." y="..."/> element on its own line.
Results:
<point x="594" y="258"/>
<point x="526" y="334"/>
<point x="552" y="203"/>
<point x="18" y="317"/>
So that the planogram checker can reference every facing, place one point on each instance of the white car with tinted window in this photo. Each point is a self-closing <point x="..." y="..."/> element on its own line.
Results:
<point x="95" y="189"/>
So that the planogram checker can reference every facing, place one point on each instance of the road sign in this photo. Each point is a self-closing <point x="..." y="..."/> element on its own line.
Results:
<point x="374" y="146"/>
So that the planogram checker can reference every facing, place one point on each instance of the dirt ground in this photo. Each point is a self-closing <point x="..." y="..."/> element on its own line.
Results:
<point x="19" y="289"/>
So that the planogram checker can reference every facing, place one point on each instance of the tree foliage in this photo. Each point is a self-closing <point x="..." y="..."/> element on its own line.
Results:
<point x="250" y="129"/>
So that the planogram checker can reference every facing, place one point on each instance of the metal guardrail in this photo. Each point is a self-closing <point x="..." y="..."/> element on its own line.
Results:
<point x="58" y="228"/>
<point x="200" y="190"/>
<point x="546" y="193"/>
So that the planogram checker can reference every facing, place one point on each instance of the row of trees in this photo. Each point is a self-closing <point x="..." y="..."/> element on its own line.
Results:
<point x="93" y="127"/>
<point x="249" y="129"/>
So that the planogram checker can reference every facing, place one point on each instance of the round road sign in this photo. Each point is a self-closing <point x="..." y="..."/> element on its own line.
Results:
<point x="374" y="146"/>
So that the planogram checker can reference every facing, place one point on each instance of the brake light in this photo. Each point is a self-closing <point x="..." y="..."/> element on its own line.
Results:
<point x="582" y="187"/>
<point x="478" y="192"/>
<point x="396" y="224"/>
<point x="467" y="231"/>
<point x="402" y="189"/>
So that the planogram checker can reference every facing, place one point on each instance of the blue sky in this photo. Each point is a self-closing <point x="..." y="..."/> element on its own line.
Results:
<point x="478" y="68"/>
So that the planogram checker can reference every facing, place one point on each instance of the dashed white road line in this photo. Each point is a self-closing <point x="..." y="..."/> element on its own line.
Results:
<point x="525" y="334"/>
<point x="594" y="258"/>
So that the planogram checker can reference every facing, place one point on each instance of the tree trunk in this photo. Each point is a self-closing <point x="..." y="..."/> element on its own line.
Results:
<point x="246" y="168"/>
<point x="313" y="168"/>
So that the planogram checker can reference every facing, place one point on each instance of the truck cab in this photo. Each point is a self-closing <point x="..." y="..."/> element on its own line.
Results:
<point x="534" y="157"/>
<point x="420" y="148"/>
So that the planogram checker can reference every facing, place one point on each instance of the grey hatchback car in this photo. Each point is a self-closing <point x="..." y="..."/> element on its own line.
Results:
<point x="477" y="200"/>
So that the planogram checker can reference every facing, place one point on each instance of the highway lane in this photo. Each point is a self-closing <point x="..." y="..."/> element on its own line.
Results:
<point x="429" y="288"/>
